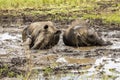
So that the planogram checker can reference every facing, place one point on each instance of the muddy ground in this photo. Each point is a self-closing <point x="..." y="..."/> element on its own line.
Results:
<point x="61" y="62"/>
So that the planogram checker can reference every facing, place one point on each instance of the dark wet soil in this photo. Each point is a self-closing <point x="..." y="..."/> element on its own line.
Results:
<point x="60" y="59"/>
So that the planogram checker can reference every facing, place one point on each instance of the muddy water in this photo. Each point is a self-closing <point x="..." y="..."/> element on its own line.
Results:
<point x="68" y="63"/>
<point x="9" y="42"/>
<point x="103" y="69"/>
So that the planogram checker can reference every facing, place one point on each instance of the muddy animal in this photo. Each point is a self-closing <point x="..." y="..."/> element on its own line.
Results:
<point x="41" y="35"/>
<point x="79" y="33"/>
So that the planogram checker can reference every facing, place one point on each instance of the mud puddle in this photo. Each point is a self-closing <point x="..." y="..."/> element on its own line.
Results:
<point x="103" y="68"/>
<point x="67" y="63"/>
<point x="9" y="42"/>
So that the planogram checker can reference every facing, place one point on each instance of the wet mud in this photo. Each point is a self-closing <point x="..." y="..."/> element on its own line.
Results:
<point x="62" y="62"/>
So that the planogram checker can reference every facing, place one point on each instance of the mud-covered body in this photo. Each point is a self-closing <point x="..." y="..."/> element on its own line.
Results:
<point x="80" y="34"/>
<point x="43" y="35"/>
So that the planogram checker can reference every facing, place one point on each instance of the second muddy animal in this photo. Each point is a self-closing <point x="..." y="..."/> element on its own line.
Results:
<point x="81" y="34"/>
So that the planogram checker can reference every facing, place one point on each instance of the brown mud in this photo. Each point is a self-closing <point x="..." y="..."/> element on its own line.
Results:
<point x="60" y="59"/>
<point x="61" y="62"/>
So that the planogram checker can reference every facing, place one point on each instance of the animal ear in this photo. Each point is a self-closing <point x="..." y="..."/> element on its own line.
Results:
<point x="46" y="27"/>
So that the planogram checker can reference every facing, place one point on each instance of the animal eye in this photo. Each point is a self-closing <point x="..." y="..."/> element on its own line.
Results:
<point x="38" y="31"/>
<point x="58" y="32"/>
<point x="91" y="36"/>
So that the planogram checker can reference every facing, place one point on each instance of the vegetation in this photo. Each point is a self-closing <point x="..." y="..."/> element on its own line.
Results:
<point x="107" y="10"/>
<point x="20" y="4"/>
<point x="7" y="71"/>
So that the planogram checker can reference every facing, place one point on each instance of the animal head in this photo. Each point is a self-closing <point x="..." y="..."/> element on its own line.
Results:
<point x="48" y="35"/>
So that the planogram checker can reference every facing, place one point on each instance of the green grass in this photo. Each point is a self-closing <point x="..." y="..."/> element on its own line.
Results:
<point x="20" y="4"/>
<point x="108" y="18"/>
<point x="64" y="9"/>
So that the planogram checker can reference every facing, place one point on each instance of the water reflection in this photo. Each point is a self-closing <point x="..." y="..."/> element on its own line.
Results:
<point x="9" y="42"/>
<point x="104" y="67"/>
<point x="7" y="36"/>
